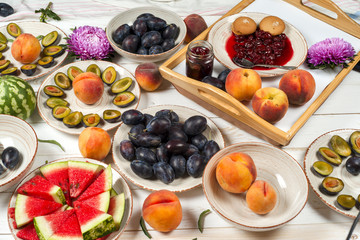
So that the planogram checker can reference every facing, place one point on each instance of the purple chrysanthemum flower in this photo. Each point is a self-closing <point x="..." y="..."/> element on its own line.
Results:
<point x="330" y="52"/>
<point x="88" y="42"/>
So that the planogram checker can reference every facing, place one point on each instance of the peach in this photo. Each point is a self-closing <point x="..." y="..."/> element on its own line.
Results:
<point x="26" y="48"/>
<point x="148" y="76"/>
<point x="236" y="172"/>
<point x="162" y="211"/>
<point x="299" y="86"/>
<point x="88" y="87"/>
<point x="270" y="103"/>
<point x="94" y="143"/>
<point x="261" y="197"/>
<point x="242" y="83"/>
<point x="195" y="24"/>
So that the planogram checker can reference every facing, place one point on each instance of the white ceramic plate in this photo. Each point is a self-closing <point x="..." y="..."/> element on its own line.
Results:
<point x="273" y="165"/>
<point x="178" y="185"/>
<point x="76" y="105"/>
<point x="119" y="185"/>
<point x="221" y="32"/>
<point x="351" y="183"/>
<point x="15" y="132"/>
<point x="36" y="29"/>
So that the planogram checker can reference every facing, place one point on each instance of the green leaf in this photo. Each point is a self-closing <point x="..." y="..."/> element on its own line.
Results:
<point x="143" y="227"/>
<point x="201" y="220"/>
<point x="47" y="13"/>
<point x="52" y="142"/>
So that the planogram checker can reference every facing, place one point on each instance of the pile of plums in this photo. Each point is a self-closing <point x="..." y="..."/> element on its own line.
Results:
<point x="162" y="147"/>
<point x="148" y="35"/>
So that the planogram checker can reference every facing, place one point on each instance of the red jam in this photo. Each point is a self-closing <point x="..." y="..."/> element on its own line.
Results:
<point x="199" y="60"/>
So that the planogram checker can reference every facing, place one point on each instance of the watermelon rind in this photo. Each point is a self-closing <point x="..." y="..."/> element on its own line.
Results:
<point x="17" y="97"/>
<point x="113" y="193"/>
<point x="100" y="202"/>
<point x="98" y="227"/>
<point x="117" y="208"/>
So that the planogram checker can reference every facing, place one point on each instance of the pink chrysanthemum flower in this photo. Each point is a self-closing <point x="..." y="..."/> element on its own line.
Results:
<point x="88" y="42"/>
<point x="330" y="52"/>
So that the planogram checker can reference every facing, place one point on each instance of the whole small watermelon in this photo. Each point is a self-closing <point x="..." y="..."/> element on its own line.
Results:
<point x="17" y="97"/>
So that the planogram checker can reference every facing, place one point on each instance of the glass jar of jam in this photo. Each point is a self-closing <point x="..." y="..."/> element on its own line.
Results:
<point x="199" y="59"/>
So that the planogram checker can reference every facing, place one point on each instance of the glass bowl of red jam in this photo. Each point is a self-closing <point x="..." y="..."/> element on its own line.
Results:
<point x="199" y="59"/>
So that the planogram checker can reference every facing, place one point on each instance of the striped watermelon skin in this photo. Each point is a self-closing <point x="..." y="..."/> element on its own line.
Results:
<point x="17" y="97"/>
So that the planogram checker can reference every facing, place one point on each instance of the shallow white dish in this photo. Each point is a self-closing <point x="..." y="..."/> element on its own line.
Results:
<point x="130" y="16"/>
<point x="179" y="184"/>
<point x="76" y="105"/>
<point x="119" y="185"/>
<point x="221" y="32"/>
<point x="273" y="165"/>
<point x="351" y="183"/>
<point x="15" y="132"/>
<point x="36" y="29"/>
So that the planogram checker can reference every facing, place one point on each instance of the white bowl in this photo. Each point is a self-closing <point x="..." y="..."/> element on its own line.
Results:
<point x="129" y="17"/>
<point x="15" y="132"/>
<point x="274" y="166"/>
<point x="119" y="185"/>
<point x="221" y="32"/>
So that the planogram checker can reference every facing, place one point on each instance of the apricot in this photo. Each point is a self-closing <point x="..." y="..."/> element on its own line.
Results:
<point x="261" y="197"/>
<point x="26" y="48"/>
<point x="299" y="86"/>
<point x="195" y="24"/>
<point x="236" y="172"/>
<point x="88" y="87"/>
<point x="162" y="211"/>
<point x="148" y="76"/>
<point x="94" y="143"/>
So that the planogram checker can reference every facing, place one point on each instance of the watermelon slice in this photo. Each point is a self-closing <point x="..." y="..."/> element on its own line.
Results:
<point x="28" y="232"/>
<point x="113" y="193"/>
<point x="81" y="175"/>
<point x="94" y="223"/>
<point x="100" y="202"/>
<point x="103" y="183"/>
<point x="69" y="230"/>
<point x="39" y="187"/>
<point x="117" y="208"/>
<point x="47" y="225"/>
<point x="57" y="173"/>
<point x="26" y="208"/>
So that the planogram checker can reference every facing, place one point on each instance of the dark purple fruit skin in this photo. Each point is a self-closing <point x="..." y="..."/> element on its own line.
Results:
<point x="147" y="118"/>
<point x="150" y="39"/>
<point x="145" y="154"/>
<point x="214" y="82"/>
<point x="121" y="33"/>
<point x="210" y="148"/>
<point x="162" y="154"/>
<point x="192" y="149"/>
<point x="156" y="23"/>
<point x="142" y="169"/>
<point x="146" y="139"/>
<point x="195" y="125"/>
<point x="130" y="43"/>
<point x="145" y="16"/>
<point x="176" y="146"/>
<point x="199" y="141"/>
<point x="10" y="157"/>
<point x="132" y="117"/>
<point x="171" y="32"/>
<point x="195" y="165"/>
<point x="127" y="150"/>
<point x="137" y="129"/>
<point x="139" y="27"/>
<point x="353" y="165"/>
<point x="143" y="51"/>
<point x="164" y="172"/>
<point x="168" y="44"/>
<point x="168" y="114"/>
<point x="2" y="170"/>
<point x="158" y="125"/>
<point x="5" y="10"/>
<point x="177" y="133"/>
<point x="178" y="163"/>
<point x="157" y="49"/>
<point x="223" y="75"/>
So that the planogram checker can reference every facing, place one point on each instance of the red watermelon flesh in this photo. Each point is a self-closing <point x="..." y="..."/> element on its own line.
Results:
<point x="28" y="232"/>
<point x="103" y="183"/>
<point x="69" y="230"/>
<point x="81" y="175"/>
<point x="11" y="212"/>
<point x="100" y="202"/>
<point x="57" y="173"/>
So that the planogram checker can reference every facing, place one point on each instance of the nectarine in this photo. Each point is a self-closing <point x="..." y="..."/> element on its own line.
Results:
<point x="195" y="24"/>
<point x="148" y="76"/>
<point x="94" y="143"/>
<point x="261" y="197"/>
<point x="88" y="87"/>
<point x="26" y="48"/>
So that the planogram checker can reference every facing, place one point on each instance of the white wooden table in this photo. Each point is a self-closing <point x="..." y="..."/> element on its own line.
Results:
<point x="341" y="110"/>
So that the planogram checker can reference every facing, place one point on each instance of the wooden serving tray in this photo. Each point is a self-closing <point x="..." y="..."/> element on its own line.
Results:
<point x="220" y="102"/>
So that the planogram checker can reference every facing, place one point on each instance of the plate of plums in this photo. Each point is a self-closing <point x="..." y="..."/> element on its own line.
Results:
<point x="260" y="38"/>
<point x="332" y="166"/>
<point x="165" y="147"/>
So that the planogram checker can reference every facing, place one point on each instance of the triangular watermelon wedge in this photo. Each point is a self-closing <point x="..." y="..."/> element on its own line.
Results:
<point x="117" y="208"/>
<point x="57" y="173"/>
<point x="39" y="187"/>
<point x="26" y="208"/>
<point x="47" y="225"/>
<point x="94" y="223"/>
<point x="28" y="232"/>
<point x="69" y="230"/>
<point x="81" y="175"/>
<point x="100" y="202"/>
<point x="102" y="183"/>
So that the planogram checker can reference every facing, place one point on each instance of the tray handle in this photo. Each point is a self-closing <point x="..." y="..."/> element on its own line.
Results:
<point x="343" y="21"/>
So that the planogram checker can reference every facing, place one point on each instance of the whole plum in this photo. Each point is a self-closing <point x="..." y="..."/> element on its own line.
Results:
<point x="162" y="154"/>
<point x="131" y="43"/>
<point x="147" y="118"/>
<point x="168" y="44"/>
<point x="210" y="148"/>
<point x="147" y="139"/>
<point x="353" y="165"/>
<point x="5" y="10"/>
<point x="139" y="27"/>
<point x="178" y="163"/>
<point x="164" y="172"/>
<point x="214" y="82"/>
<point x="145" y="154"/>
<point x="177" y="133"/>
<point x="157" y="49"/>
<point x="195" y="165"/>
<point x="127" y="150"/>
<point x="158" y="125"/>
<point x="143" y="51"/>
<point x="176" y="146"/>
<point x="10" y="157"/>
<point x="150" y="39"/>
<point x="195" y="125"/>
<point x="222" y="76"/>
<point x="172" y="115"/>
<point x="199" y="141"/>
<point x="132" y="117"/>
<point x="156" y="23"/>
<point x="142" y="169"/>
<point x="137" y="129"/>
<point x="121" y="33"/>
<point x="192" y="149"/>
<point x="145" y="16"/>
<point x="171" y="32"/>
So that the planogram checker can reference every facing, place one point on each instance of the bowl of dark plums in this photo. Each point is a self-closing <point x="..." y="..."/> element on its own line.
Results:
<point x="146" y="34"/>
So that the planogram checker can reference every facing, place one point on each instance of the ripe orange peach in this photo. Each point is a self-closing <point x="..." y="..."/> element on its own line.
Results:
<point x="88" y="87"/>
<point x="270" y="103"/>
<point x="261" y="197"/>
<point x="162" y="211"/>
<point x="299" y="86"/>
<point x="94" y="143"/>
<point x="26" y="48"/>
<point x="242" y="83"/>
<point x="236" y="172"/>
<point x="195" y="24"/>
<point x="148" y="76"/>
